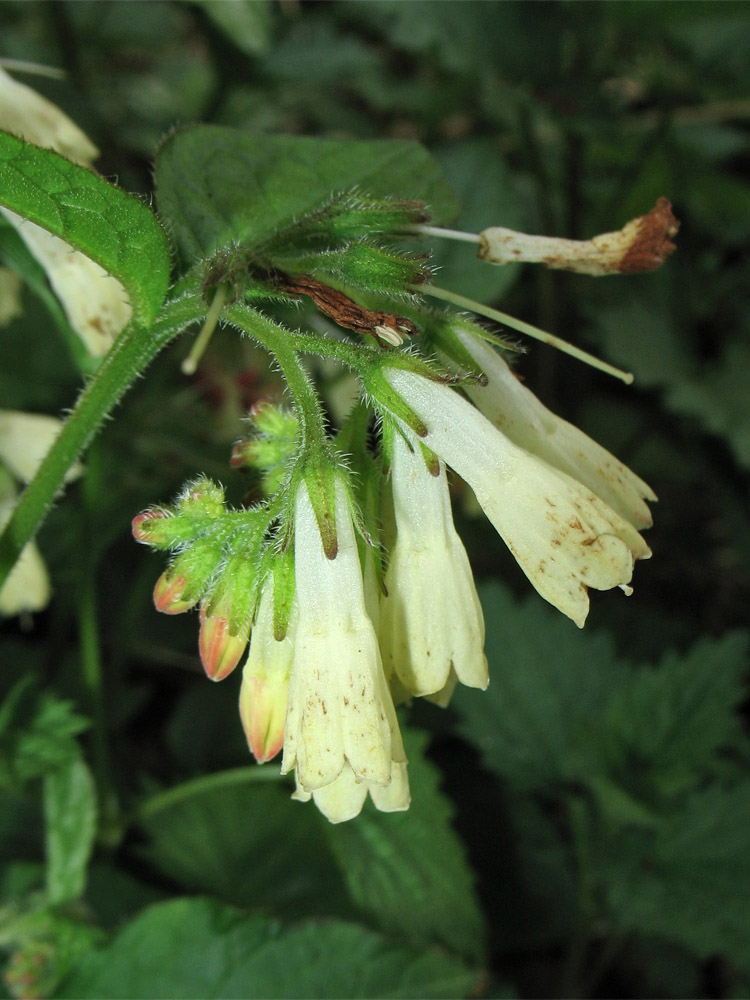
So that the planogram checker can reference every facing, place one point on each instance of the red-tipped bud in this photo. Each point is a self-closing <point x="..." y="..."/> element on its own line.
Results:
<point x="143" y="527"/>
<point x="220" y="650"/>
<point x="169" y="594"/>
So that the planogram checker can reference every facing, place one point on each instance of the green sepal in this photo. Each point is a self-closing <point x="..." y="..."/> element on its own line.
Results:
<point x="274" y="440"/>
<point x="385" y="398"/>
<point x="439" y="332"/>
<point x="349" y="217"/>
<point x="320" y="479"/>
<point x="363" y="264"/>
<point x="235" y="593"/>
<point x="197" y="565"/>
<point x="201" y="498"/>
<point x="283" y="592"/>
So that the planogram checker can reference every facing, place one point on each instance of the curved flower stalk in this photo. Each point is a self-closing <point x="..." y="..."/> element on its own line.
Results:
<point x="342" y="737"/>
<point x="523" y="418"/>
<point x="431" y="624"/>
<point x="96" y="304"/>
<point x="563" y="536"/>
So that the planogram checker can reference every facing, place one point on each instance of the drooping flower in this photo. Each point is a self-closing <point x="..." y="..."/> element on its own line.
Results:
<point x="523" y="418"/>
<point x="432" y="625"/>
<point x="96" y="304"/>
<point x="564" y="537"/>
<point x="265" y="681"/>
<point x="342" y="737"/>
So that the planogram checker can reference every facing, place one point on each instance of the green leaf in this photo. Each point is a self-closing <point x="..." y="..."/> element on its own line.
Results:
<point x="218" y="185"/>
<point x="246" y="23"/>
<point x="408" y="871"/>
<point x="111" y="227"/>
<point x="36" y="734"/>
<point x="547" y="679"/>
<point x="70" y="814"/>
<point x="489" y="196"/>
<point x="692" y="887"/>
<point x="249" y="845"/>
<point x="198" y="948"/>
<point x="662" y="729"/>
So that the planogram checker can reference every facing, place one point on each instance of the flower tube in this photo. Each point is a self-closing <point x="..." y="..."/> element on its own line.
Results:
<point x="341" y="736"/>
<point x="431" y="619"/>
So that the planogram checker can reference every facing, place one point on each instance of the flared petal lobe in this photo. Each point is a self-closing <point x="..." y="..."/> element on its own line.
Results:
<point x="517" y="412"/>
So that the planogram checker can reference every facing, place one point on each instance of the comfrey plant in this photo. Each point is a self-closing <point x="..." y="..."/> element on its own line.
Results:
<point x="348" y="580"/>
<point x="345" y="586"/>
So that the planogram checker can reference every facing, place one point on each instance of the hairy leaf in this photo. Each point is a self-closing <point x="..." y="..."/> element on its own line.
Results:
<point x="106" y="224"/>
<point x="219" y="185"/>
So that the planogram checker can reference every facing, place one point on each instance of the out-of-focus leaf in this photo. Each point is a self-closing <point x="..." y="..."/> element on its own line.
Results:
<point x="246" y="23"/>
<point x="718" y="398"/>
<point x="691" y="885"/>
<point x="36" y="734"/>
<point x="488" y="195"/>
<point x="249" y="845"/>
<point x="387" y="858"/>
<point x="70" y="814"/>
<point x="199" y="948"/>
<point x="218" y="185"/>
<point x="547" y="679"/>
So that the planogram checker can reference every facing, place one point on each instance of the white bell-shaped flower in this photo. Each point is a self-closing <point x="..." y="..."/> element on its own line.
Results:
<point x="431" y="622"/>
<point x="341" y="725"/>
<point x="564" y="537"/>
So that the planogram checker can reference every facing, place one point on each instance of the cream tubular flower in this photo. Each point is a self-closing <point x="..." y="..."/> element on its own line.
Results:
<point x="563" y="536"/>
<point x="341" y="735"/>
<point x="431" y="620"/>
<point x="517" y="412"/>
<point x="265" y="681"/>
<point x="95" y="302"/>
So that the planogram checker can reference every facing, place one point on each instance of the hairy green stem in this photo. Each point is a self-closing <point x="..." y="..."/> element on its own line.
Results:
<point x="279" y="342"/>
<point x="131" y="352"/>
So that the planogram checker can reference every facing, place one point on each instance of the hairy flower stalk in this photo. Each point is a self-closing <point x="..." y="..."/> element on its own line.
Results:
<point x="342" y="737"/>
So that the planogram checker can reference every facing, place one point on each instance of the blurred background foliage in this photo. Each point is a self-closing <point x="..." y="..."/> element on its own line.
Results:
<point x="583" y="827"/>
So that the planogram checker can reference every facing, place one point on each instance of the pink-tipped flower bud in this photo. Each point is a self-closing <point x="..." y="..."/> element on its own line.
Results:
<point x="169" y="593"/>
<point x="220" y="650"/>
<point x="143" y="527"/>
<point x="265" y="682"/>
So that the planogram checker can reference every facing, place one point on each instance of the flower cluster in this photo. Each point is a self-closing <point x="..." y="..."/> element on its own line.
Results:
<point x="364" y="597"/>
